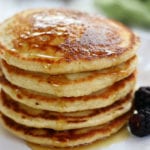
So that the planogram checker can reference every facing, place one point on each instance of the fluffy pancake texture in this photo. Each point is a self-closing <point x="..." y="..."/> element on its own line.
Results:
<point x="28" y="116"/>
<point x="66" y="138"/>
<point x="57" y="41"/>
<point x="69" y="85"/>
<point x="95" y="100"/>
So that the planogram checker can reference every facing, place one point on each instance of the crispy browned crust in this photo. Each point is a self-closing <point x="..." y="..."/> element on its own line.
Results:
<point x="79" y="32"/>
<point x="82" y="116"/>
<point x="41" y="97"/>
<point x="69" y="85"/>
<point x="62" y="79"/>
<point x="68" y="135"/>
<point x="59" y="36"/>
<point x="59" y="102"/>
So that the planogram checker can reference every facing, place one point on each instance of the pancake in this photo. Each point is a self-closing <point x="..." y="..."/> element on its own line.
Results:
<point x="58" y="41"/>
<point x="95" y="100"/>
<point x="28" y="116"/>
<point x="68" y="85"/>
<point x="67" y="138"/>
<point x="1" y="74"/>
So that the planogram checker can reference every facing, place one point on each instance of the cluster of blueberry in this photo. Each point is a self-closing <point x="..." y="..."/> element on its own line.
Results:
<point x="139" y="122"/>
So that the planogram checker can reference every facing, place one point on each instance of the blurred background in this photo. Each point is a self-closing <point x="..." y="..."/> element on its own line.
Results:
<point x="133" y="13"/>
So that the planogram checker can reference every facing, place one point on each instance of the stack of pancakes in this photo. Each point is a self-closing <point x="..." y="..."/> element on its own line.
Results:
<point x="68" y="77"/>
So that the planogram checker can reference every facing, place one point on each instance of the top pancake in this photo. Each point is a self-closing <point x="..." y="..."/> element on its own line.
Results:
<point x="59" y="41"/>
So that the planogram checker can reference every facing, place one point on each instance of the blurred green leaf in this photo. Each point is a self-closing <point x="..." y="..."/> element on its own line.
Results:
<point x="135" y="12"/>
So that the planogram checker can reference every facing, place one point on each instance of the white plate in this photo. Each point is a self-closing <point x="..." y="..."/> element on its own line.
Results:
<point x="10" y="142"/>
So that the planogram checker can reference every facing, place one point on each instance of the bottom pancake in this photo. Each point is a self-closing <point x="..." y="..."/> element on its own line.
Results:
<point x="68" y="138"/>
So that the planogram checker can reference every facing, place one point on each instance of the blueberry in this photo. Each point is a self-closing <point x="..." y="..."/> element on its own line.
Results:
<point x="142" y="98"/>
<point x="137" y="125"/>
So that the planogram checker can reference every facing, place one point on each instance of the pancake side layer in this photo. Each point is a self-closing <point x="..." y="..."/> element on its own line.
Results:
<point x="72" y="85"/>
<point x="67" y="138"/>
<point x="95" y="100"/>
<point x="62" y="121"/>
